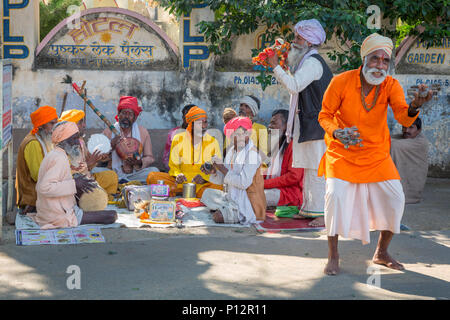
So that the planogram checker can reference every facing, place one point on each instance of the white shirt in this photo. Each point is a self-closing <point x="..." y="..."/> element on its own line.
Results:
<point x="306" y="154"/>
<point x="242" y="166"/>
<point x="310" y="71"/>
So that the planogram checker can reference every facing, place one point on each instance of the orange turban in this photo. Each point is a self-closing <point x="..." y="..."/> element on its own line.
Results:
<point x="228" y="114"/>
<point x="63" y="130"/>
<point x="42" y="116"/>
<point x="194" y="114"/>
<point x="73" y="115"/>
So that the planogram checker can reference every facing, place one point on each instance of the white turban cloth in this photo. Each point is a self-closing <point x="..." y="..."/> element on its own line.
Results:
<point x="376" y="42"/>
<point x="312" y="31"/>
<point x="251" y="103"/>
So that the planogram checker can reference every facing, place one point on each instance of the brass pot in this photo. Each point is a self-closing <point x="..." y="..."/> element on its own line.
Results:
<point x="189" y="190"/>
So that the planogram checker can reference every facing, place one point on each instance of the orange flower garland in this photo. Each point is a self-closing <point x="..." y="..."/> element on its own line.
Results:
<point x="280" y="48"/>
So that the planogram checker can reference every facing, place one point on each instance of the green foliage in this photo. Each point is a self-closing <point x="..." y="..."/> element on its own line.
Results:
<point x="347" y="19"/>
<point x="53" y="13"/>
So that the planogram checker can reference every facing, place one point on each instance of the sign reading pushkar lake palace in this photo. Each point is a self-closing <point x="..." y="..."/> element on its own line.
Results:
<point x="107" y="39"/>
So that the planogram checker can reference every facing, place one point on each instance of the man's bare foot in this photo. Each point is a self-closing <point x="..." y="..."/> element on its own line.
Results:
<point x="317" y="222"/>
<point x="332" y="267"/>
<point x="386" y="260"/>
<point x="217" y="216"/>
<point x="298" y="217"/>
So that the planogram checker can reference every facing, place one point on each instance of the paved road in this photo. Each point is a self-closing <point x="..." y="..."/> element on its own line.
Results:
<point x="232" y="263"/>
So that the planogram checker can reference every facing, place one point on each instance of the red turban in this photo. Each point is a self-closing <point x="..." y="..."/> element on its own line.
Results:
<point x="236" y="123"/>
<point x="42" y="116"/>
<point x="129" y="103"/>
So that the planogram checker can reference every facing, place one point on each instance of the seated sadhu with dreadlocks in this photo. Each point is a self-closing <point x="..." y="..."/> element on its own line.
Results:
<point x="107" y="179"/>
<point x="56" y="188"/>
<point x="189" y="151"/>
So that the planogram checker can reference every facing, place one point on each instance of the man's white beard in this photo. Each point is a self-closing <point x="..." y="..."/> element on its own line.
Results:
<point x="46" y="138"/>
<point x="370" y="78"/>
<point x="295" y="55"/>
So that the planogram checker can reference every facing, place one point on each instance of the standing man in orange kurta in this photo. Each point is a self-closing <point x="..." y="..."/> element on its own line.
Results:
<point x="363" y="189"/>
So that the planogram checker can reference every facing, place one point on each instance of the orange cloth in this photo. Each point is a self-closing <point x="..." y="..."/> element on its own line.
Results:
<point x="176" y="189"/>
<point x="194" y="114"/>
<point x="63" y="130"/>
<point x="228" y="114"/>
<point x="342" y="107"/>
<point x="73" y="115"/>
<point x="42" y="116"/>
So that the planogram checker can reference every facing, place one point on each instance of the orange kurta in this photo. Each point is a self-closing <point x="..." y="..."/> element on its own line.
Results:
<point x="342" y="107"/>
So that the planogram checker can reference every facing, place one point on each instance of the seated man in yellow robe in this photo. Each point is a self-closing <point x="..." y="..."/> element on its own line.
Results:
<point x="108" y="180"/>
<point x="188" y="152"/>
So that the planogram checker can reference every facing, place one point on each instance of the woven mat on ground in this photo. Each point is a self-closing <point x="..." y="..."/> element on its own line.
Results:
<point x="275" y="224"/>
<point x="23" y="222"/>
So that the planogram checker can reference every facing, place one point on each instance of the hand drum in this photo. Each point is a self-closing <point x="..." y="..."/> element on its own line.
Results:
<point x="128" y="148"/>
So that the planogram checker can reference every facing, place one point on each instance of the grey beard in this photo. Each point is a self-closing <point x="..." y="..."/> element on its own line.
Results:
<point x="296" y="54"/>
<point x="73" y="153"/>
<point x="125" y="123"/>
<point x="46" y="138"/>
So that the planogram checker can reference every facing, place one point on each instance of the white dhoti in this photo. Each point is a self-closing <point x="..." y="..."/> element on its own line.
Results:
<point x="307" y="155"/>
<point x="140" y="175"/>
<point x="313" y="194"/>
<point x="218" y="200"/>
<point x="353" y="209"/>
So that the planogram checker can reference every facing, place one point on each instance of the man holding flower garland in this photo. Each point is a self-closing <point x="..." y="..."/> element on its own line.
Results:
<point x="308" y="79"/>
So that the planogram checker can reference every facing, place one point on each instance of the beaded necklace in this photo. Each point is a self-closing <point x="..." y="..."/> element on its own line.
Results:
<point x="363" y="101"/>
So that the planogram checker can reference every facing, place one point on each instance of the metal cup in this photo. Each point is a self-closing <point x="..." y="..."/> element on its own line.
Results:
<point x="189" y="190"/>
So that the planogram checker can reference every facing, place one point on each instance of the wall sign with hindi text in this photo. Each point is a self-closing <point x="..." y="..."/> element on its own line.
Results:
<point x="107" y="39"/>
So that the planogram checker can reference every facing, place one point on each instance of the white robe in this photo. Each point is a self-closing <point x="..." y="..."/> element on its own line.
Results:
<point x="353" y="209"/>
<point x="307" y="154"/>
<point x="242" y="168"/>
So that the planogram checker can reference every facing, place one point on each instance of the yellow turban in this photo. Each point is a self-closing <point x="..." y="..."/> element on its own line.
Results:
<point x="375" y="42"/>
<point x="194" y="114"/>
<point x="73" y="115"/>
